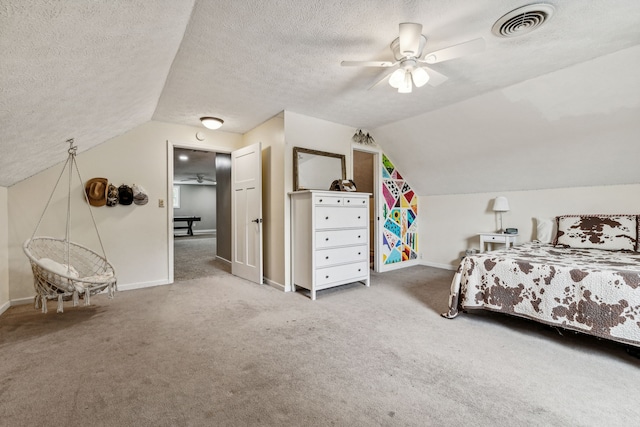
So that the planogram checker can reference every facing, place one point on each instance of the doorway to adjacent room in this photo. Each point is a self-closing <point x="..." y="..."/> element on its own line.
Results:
<point x="201" y="213"/>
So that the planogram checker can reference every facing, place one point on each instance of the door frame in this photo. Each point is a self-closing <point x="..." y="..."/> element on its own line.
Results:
<point x="377" y="194"/>
<point x="169" y="202"/>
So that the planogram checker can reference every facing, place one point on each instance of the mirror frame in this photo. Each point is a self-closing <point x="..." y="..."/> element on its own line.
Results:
<point x="297" y="150"/>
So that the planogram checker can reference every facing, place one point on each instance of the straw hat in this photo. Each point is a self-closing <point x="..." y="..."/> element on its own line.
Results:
<point x="96" y="189"/>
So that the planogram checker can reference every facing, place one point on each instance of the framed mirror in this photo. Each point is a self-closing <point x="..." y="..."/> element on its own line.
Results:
<point x="316" y="170"/>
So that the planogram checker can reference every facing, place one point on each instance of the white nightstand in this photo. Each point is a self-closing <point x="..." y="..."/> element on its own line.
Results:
<point x="491" y="238"/>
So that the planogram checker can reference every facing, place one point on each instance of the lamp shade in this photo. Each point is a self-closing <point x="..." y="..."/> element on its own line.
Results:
<point x="500" y="204"/>
<point x="397" y="78"/>
<point x="420" y="76"/>
<point x="211" y="122"/>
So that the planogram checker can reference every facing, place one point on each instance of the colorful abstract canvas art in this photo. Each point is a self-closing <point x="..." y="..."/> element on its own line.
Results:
<point x="400" y="216"/>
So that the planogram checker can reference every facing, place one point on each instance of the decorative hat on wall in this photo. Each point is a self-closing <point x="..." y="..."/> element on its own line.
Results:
<point x="96" y="190"/>
<point x="139" y="195"/>
<point x="125" y="195"/>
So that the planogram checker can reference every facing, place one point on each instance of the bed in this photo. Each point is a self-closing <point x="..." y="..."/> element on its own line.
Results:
<point x="587" y="279"/>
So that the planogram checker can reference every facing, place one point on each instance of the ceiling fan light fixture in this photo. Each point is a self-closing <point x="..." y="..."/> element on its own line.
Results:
<point x="407" y="86"/>
<point x="397" y="78"/>
<point x="420" y="76"/>
<point x="211" y="122"/>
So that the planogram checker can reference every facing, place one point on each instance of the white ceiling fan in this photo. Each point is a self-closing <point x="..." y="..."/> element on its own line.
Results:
<point x="199" y="178"/>
<point x="407" y="50"/>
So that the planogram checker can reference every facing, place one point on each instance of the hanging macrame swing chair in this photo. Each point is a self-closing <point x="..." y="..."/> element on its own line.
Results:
<point x="63" y="270"/>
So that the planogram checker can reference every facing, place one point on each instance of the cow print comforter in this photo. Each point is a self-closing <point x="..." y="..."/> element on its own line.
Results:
<point x="587" y="290"/>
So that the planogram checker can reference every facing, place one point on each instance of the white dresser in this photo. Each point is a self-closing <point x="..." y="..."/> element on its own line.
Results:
<point x="330" y="236"/>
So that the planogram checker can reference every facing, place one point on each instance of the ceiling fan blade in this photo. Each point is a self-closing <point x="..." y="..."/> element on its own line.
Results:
<point x="435" y="78"/>
<point x="410" y="34"/>
<point x="367" y="64"/>
<point x="456" y="51"/>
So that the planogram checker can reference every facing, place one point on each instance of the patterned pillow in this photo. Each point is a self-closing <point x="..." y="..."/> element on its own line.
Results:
<point x="610" y="232"/>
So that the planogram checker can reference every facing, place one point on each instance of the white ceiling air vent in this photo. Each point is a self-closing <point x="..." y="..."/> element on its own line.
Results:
<point x="522" y="20"/>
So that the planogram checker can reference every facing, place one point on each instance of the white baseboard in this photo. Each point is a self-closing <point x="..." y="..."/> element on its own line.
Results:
<point x="197" y="232"/>
<point x="398" y="265"/>
<point x="219" y="258"/>
<point x="142" y="285"/>
<point x="274" y="284"/>
<point x="439" y="265"/>
<point x="4" y="307"/>
<point x="212" y="231"/>
<point x="22" y="301"/>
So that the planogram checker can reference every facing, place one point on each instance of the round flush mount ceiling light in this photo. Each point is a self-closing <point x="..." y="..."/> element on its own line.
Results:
<point x="211" y="122"/>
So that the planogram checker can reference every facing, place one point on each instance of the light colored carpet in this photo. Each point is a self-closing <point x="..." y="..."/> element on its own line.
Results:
<point x="221" y="351"/>
<point x="195" y="257"/>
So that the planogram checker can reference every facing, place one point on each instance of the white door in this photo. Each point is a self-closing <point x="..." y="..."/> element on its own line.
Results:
<point x="246" y="213"/>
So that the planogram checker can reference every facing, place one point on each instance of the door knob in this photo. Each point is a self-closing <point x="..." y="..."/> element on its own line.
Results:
<point x="257" y="220"/>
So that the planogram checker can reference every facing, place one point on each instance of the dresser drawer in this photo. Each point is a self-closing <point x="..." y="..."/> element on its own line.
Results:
<point x="333" y="217"/>
<point x="328" y="239"/>
<point x="355" y="201"/>
<point x="319" y="199"/>
<point x="342" y="273"/>
<point x="349" y="254"/>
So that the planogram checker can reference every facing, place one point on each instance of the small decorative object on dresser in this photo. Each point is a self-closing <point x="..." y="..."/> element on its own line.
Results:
<point x="343" y="185"/>
<point x="330" y="235"/>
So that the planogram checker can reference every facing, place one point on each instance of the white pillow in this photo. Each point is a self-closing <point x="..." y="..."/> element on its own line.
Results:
<point x="61" y="269"/>
<point x="544" y="229"/>
<point x="81" y="285"/>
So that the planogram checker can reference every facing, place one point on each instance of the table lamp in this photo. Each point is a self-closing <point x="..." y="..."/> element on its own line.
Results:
<point x="501" y="204"/>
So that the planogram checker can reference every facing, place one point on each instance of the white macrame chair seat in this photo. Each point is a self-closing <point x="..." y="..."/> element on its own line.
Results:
<point x="94" y="273"/>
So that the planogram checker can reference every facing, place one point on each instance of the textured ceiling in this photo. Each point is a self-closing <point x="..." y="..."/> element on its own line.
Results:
<point x="94" y="70"/>
<point x="90" y="70"/>
<point x="197" y="162"/>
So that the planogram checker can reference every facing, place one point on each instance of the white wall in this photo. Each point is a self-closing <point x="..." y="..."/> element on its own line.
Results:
<point x="308" y="132"/>
<point x="135" y="237"/>
<point x="200" y="201"/>
<point x="271" y="135"/>
<point x="450" y="224"/>
<point x="4" y="250"/>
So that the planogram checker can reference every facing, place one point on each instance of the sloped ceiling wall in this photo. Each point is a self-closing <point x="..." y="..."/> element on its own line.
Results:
<point x="91" y="70"/>
<point x="575" y="127"/>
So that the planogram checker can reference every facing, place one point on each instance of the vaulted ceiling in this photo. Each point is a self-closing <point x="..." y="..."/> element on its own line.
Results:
<point x="94" y="70"/>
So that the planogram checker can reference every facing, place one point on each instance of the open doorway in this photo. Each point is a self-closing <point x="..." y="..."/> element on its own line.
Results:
<point x="364" y="175"/>
<point x="201" y="208"/>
